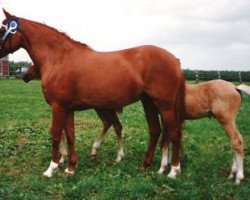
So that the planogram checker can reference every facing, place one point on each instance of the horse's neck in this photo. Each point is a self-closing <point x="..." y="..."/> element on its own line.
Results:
<point x="44" y="44"/>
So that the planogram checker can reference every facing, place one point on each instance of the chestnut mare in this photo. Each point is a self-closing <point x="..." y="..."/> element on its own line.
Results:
<point x="75" y="77"/>
<point x="108" y="118"/>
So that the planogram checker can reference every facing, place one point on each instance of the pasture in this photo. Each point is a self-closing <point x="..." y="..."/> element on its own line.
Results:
<point x="25" y="153"/>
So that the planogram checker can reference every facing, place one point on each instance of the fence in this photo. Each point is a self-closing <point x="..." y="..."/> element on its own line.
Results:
<point x="200" y="75"/>
<point x="195" y="75"/>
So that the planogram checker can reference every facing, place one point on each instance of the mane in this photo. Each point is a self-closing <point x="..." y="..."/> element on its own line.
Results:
<point x="63" y="34"/>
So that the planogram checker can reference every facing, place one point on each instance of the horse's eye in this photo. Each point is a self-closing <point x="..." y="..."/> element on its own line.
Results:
<point x="2" y="30"/>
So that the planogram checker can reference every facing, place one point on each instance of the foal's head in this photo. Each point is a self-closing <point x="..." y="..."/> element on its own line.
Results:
<point x="11" y="36"/>
<point x="31" y="74"/>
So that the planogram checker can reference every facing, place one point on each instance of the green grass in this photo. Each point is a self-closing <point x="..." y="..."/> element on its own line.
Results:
<point x="25" y="151"/>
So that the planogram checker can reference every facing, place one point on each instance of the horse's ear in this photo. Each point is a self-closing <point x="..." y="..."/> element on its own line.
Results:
<point x="7" y="15"/>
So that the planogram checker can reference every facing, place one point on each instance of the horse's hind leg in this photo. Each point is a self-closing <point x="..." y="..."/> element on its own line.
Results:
<point x="70" y="135"/>
<point x="154" y="127"/>
<point x="164" y="149"/>
<point x="106" y="125"/>
<point x="237" y="142"/>
<point x="171" y="133"/>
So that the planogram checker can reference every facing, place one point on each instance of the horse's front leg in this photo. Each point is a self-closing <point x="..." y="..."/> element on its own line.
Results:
<point x="59" y="116"/>
<point x="70" y="135"/>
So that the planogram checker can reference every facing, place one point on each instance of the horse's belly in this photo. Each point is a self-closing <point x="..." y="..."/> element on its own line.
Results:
<point x="102" y="103"/>
<point x="108" y="94"/>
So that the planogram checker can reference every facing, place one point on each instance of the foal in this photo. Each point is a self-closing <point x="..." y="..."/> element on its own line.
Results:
<point x="222" y="100"/>
<point x="108" y="118"/>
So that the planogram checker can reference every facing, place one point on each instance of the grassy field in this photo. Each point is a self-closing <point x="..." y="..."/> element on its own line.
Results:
<point x="25" y="151"/>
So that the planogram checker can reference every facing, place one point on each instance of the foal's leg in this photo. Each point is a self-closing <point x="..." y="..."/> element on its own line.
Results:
<point x="63" y="148"/>
<point x="109" y="117"/>
<point x="70" y="135"/>
<point x="106" y="125"/>
<point x="237" y="142"/>
<point x="113" y="118"/>
<point x="154" y="127"/>
<point x="59" y="115"/>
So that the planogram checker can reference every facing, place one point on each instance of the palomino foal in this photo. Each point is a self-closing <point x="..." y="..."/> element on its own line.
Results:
<point x="108" y="118"/>
<point x="222" y="100"/>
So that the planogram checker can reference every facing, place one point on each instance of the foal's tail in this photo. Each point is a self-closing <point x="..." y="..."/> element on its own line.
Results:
<point x="244" y="88"/>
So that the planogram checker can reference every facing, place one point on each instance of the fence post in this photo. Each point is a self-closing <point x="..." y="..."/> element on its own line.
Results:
<point x="219" y="76"/>
<point x="240" y="79"/>
<point x="196" y="76"/>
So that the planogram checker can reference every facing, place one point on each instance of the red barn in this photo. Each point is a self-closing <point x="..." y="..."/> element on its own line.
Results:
<point x="4" y="66"/>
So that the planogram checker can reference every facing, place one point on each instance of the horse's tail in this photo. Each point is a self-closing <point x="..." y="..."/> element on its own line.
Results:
<point x="180" y="107"/>
<point x="244" y="88"/>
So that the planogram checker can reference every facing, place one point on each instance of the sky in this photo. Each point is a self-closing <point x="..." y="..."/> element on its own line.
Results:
<point x="203" y="34"/>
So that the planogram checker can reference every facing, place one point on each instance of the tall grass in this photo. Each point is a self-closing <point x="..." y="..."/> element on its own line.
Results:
<point x="25" y="150"/>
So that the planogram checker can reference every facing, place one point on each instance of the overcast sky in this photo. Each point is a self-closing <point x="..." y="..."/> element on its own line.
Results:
<point x="204" y="34"/>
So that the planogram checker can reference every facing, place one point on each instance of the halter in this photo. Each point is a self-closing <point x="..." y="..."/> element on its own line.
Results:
<point x="11" y="27"/>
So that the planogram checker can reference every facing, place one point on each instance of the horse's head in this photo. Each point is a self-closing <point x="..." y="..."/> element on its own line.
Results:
<point x="10" y="35"/>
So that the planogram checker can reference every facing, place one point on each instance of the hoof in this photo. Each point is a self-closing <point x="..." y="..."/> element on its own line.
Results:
<point x="146" y="164"/>
<point x="93" y="152"/>
<point x="239" y="177"/>
<point x="53" y="167"/>
<point x="172" y="176"/>
<point x="174" y="172"/>
<point x="231" y="176"/>
<point x="161" y="170"/>
<point x="68" y="172"/>
<point x="47" y="174"/>
<point x="119" y="159"/>
<point x="62" y="160"/>
<point x="237" y="182"/>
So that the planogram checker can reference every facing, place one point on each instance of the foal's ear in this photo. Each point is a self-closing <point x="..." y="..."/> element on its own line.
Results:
<point x="7" y="15"/>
